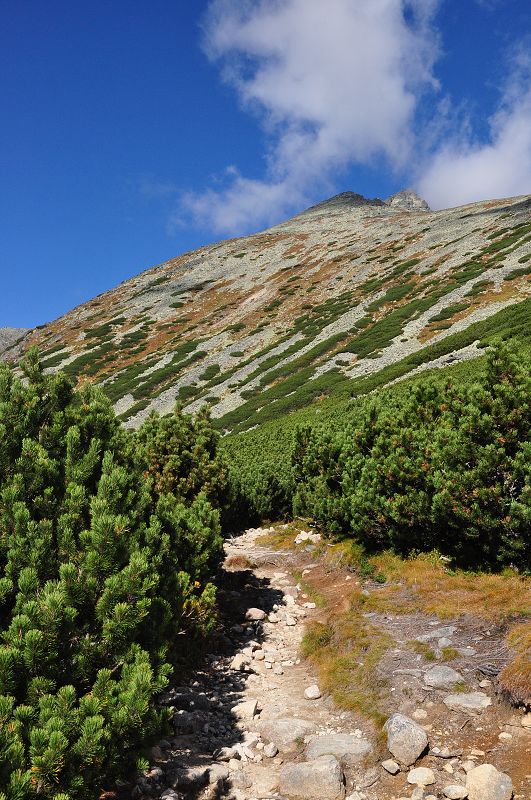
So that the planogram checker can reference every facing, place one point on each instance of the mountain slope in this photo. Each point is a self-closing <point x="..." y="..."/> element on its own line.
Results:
<point x="337" y="294"/>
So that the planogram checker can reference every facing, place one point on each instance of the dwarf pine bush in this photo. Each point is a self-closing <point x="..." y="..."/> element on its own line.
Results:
<point x="446" y="467"/>
<point x="105" y="561"/>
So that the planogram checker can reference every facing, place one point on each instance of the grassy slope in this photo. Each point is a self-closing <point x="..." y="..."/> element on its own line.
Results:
<point x="269" y="444"/>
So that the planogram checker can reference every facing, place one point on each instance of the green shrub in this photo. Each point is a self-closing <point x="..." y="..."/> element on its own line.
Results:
<point x="101" y="570"/>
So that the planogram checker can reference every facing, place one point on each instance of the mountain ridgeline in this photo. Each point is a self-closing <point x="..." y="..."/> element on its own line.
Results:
<point x="339" y="300"/>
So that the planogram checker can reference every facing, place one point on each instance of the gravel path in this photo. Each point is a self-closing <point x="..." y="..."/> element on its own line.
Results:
<point x="252" y="723"/>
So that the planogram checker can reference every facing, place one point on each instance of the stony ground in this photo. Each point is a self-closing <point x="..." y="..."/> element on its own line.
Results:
<point x="253" y="722"/>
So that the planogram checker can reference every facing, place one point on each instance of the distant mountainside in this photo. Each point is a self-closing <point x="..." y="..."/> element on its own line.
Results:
<point x="266" y="323"/>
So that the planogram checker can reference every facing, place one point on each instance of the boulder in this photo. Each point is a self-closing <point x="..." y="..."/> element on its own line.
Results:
<point x="406" y="740"/>
<point x="321" y="779"/>
<point x="348" y="749"/>
<point x="469" y="703"/>
<point x="486" y="783"/>
<point x="441" y="677"/>
<point x="285" y="733"/>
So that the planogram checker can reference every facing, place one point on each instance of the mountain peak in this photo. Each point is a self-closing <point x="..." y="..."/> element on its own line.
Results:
<point x="346" y="200"/>
<point x="408" y="200"/>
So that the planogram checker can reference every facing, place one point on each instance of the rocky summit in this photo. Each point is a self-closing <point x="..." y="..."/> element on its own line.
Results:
<point x="350" y="288"/>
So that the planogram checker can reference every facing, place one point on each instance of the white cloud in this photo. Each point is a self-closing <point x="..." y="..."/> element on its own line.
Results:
<point x="463" y="170"/>
<point x="333" y="83"/>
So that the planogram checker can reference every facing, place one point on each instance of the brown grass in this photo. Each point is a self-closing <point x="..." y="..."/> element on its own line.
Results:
<point x="515" y="678"/>
<point x="433" y="589"/>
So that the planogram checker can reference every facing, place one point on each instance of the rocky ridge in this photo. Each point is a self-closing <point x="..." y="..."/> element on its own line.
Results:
<point x="254" y="725"/>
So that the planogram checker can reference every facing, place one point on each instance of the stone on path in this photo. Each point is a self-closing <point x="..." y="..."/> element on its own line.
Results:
<point x="441" y="677"/>
<point x="270" y="750"/>
<point x="312" y="692"/>
<point x="391" y="766"/>
<point x="290" y="621"/>
<point x="246" y="709"/>
<point x="470" y="703"/>
<point x="239" y="662"/>
<point x="421" y="776"/>
<point x="347" y="748"/>
<point x="486" y="783"/>
<point x="406" y="740"/>
<point x="255" y="615"/>
<point x="285" y="733"/>
<point x="217" y="773"/>
<point x="455" y="792"/>
<point x="321" y="779"/>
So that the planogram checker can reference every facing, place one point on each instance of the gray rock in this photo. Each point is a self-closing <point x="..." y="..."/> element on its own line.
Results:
<point x="321" y="779"/>
<point x="486" y="783"/>
<point x="441" y="677"/>
<point x="312" y="692"/>
<point x="455" y="792"/>
<point x="240" y="780"/>
<point x="437" y="633"/>
<point x="348" y="749"/>
<point x="226" y="753"/>
<point x="406" y="740"/>
<point x="217" y="773"/>
<point x="469" y="703"/>
<point x="407" y="200"/>
<point x="285" y="733"/>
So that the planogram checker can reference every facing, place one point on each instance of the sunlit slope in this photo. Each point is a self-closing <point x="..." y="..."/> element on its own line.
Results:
<point x="328" y="300"/>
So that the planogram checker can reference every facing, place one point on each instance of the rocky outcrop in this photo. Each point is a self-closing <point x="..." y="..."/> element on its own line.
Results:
<point x="407" y="200"/>
<point x="10" y="337"/>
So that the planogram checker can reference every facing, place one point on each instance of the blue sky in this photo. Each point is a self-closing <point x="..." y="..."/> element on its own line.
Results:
<point x="133" y="131"/>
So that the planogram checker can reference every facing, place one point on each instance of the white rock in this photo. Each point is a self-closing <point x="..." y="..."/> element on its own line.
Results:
<point x="255" y="614"/>
<point x="486" y="783"/>
<point x="390" y="766"/>
<point x="505" y="736"/>
<point x="525" y="722"/>
<point x="259" y="655"/>
<point x="312" y="692"/>
<point x="290" y="621"/>
<point x="419" y="713"/>
<point x="421" y="776"/>
<point x="246" y="709"/>
<point x="240" y="662"/>
<point x="270" y="750"/>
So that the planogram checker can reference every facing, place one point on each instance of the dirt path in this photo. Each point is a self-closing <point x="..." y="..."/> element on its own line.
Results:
<point x="244" y="728"/>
